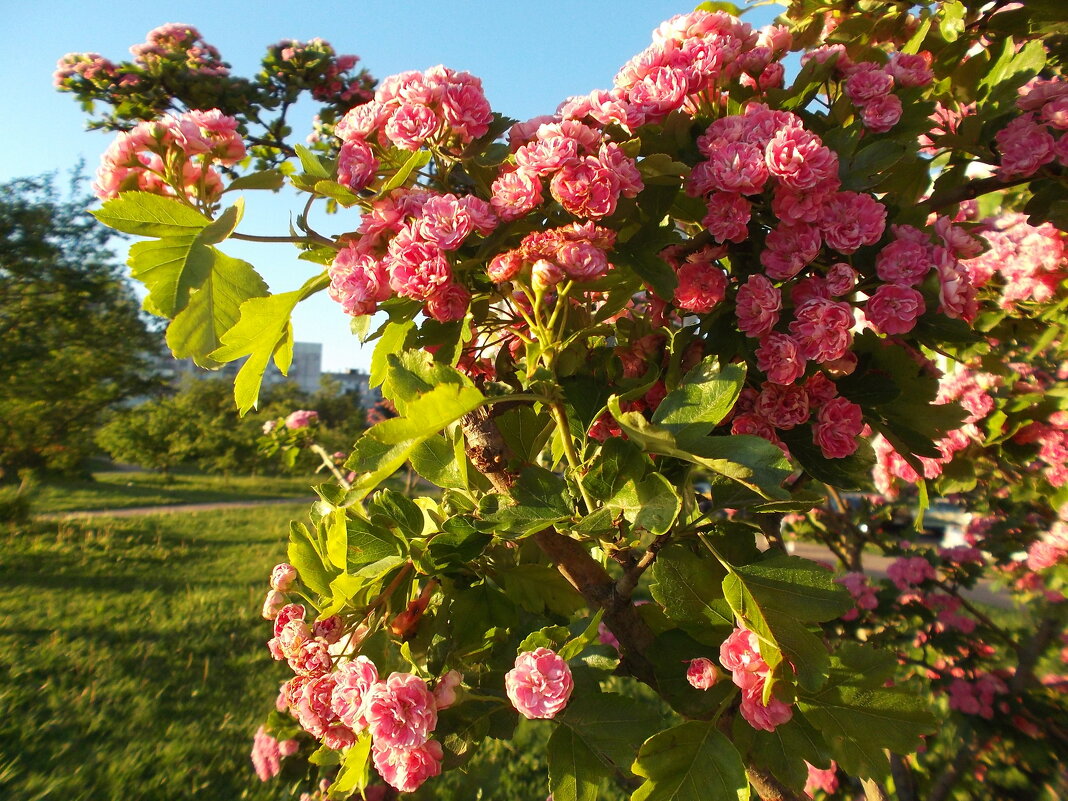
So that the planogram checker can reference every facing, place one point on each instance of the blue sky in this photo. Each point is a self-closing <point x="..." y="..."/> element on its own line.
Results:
<point x="530" y="56"/>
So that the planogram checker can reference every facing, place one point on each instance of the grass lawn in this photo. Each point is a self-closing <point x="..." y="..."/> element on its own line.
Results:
<point x="132" y="658"/>
<point x="120" y="490"/>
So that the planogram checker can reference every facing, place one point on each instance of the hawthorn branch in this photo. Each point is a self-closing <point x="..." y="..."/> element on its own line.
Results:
<point x="970" y="191"/>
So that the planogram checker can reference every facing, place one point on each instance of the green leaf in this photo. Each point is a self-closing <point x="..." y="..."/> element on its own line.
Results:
<point x="147" y="214"/>
<point x="170" y="269"/>
<point x="851" y="472"/>
<point x="706" y="395"/>
<point x="538" y="588"/>
<point x="384" y="447"/>
<point x="796" y="586"/>
<point x="441" y="462"/>
<point x="355" y="770"/>
<point x="747" y="459"/>
<point x="390" y="508"/>
<point x="418" y="159"/>
<point x="263" y="331"/>
<point x="265" y="179"/>
<point x="617" y="461"/>
<point x="305" y="557"/>
<point x="310" y="162"/>
<point x="458" y="542"/>
<point x="367" y="544"/>
<point x="689" y="587"/>
<point x="691" y="762"/>
<point x="391" y="341"/>
<point x="575" y="773"/>
<point x="785" y="750"/>
<point x="652" y="504"/>
<point x="589" y="635"/>
<point x="858" y="723"/>
<point x="612" y="726"/>
<point x="213" y="309"/>
<point x="538" y="499"/>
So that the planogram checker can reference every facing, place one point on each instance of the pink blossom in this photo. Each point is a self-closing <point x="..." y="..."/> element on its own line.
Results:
<point x="728" y="217"/>
<point x="841" y="278"/>
<point x="308" y="657"/>
<point x="406" y="769"/>
<point x="868" y="82"/>
<point x="622" y="167"/>
<point x="400" y="711"/>
<point x="808" y="288"/>
<point x="545" y="155"/>
<point x="821" y="329"/>
<point x="540" y="684"/>
<point x="780" y="359"/>
<point x="266" y="758"/>
<point x="356" y="165"/>
<point x="581" y="260"/>
<point x="283" y="575"/>
<point x="760" y="716"/>
<point x="701" y="287"/>
<point x="313" y="709"/>
<point x="465" y="108"/>
<point x="790" y="246"/>
<point x="357" y="281"/>
<point x="445" y="689"/>
<point x="448" y="302"/>
<point x="515" y="193"/>
<point x="505" y="266"/>
<point x="586" y="189"/>
<point x="286" y="614"/>
<point x="740" y="652"/>
<point x="799" y="159"/>
<point x="794" y="206"/>
<point x="444" y="221"/>
<point x="329" y="629"/>
<point x="783" y="406"/>
<point x="1024" y="146"/>
<point x="911" y="69"/>
<point x="411" y="125"/>
<point x="272" y="604"/>
<point x="851" y="220"/>
<point x="302" y="418"/>
<point x="354" y="679"/>
<point x="702" y="674"/>
<point x="840" y="423"/>
<point x="956" y="293"/>
<point x="545" y="274"/>
<point x="416" y="268"/>
<point x="1055" y="113"/>
<point x="825" y="780"/>
<point x="739" y="168"/>
<point x="908" y="571"/>
<point x="904" y="262"/>
<point x="859" y="586"/>
<point x="820" y="389"/>
<point x="894" y="309"/>
<point x="757" y="305"/>
<point x="882" y="113"/>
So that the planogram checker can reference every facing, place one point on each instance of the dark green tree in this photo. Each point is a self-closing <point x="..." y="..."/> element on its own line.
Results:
<point x="74" y="341"/>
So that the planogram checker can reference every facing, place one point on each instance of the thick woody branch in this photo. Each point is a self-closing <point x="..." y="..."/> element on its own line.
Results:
<point x="970" y="191"/>
<point x="768" y="787"/>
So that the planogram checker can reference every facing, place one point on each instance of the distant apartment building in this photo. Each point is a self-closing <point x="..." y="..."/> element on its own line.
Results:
<point x="306" y="371"/>
<point x="360" y="382"/>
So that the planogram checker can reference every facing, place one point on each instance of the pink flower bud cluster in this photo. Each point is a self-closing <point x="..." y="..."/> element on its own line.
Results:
<point x="315" y="63"/>
<point x="175" y="40"/>
<point x="175" y="151"/>
<point x="740" y="654"/>
<point x="90" y="67"/>
<point x="910" y="571"/>
<point x="539" y="685"/>
<point x="267" y="754"/>
<point x="1036" y="137"/>
<point x="1052" y="549"/>
<point x="439" y="108"/>
<point x="578" y="252"/>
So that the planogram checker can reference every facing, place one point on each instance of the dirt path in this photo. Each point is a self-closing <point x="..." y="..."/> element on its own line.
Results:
<point x="174" y="508"/>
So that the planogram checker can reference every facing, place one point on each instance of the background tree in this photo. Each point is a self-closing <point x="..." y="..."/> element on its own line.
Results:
<point x="75" y="343"/>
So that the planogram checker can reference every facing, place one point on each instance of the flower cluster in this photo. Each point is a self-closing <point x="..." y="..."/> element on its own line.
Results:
<point x="1028" y="143"/>
<point x="175" y="40"/>
<point x="439" y="108"/>
<point x="172" y="156"/>
<point x="335" y="699"/>
<point x="539" y="685"/>
<point x="316" y="66"/>
<point x="1028" y="262"/>
<point x="740" y="654"/>
<point x="267" y="753"/>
